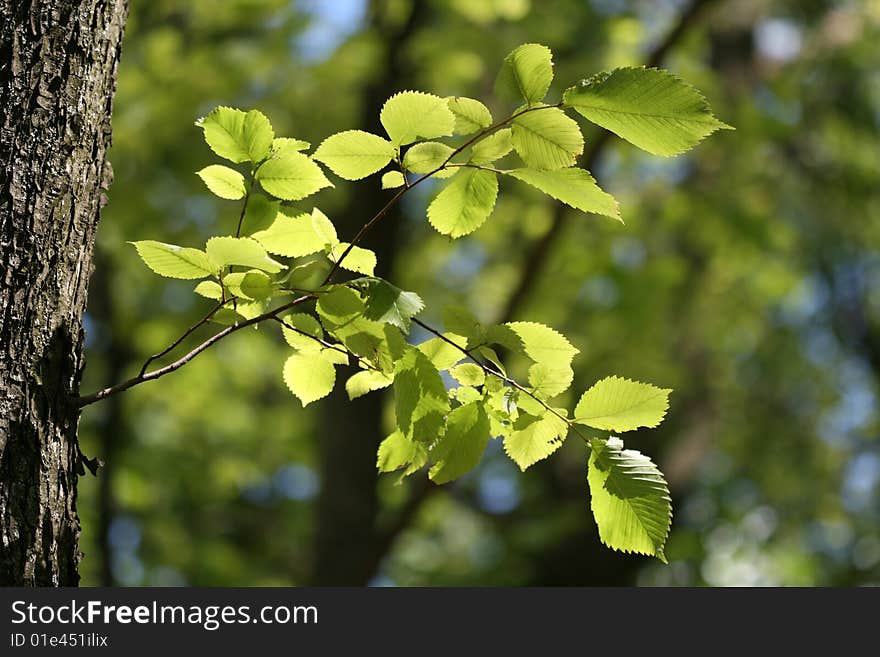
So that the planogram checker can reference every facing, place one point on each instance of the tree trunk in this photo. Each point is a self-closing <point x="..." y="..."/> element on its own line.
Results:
<point x="57" y="78"/>
<point x="346" y="537"/>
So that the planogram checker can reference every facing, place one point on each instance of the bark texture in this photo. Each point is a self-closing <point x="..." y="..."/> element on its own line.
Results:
<point x="58" y="62"/>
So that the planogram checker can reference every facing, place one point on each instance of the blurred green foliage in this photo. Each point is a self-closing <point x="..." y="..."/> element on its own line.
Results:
<point x="745" y="278"/>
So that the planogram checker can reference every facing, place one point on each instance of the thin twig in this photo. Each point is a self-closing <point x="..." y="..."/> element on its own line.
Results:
<point x="184" y="336"/>
<point x="328" y="345"/>
<point x="180" y="362"/>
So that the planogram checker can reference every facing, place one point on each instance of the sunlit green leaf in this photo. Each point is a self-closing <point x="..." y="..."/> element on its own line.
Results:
<point x="223" y="182"/>
<point x="291" y="175"/>
<point x="300" y="331"/>
<point x="526" y="74"/>
<point x="209" y="290"/>
<point x="291" y="236"/>
<point x="468" y="374"/>
<point x="493" y="147"/>
<point x="358" y="260"/>
<point x="618" y="404"/>
<point x="574" y="187"/>
<point x="236" y="135"/>
<point x="533" y="438"/>
<point x="388" y="303"/>
<point x="392" y="179"/>
<point x="461" y="446"/>
<point x="470" y="115"/>
<point x="366" y="381"/>
<point x="426" y="156"/>
<point x="409" y="115"/>
<point x="355" y="154"/>
<point x="629" y="498"/>
<point x="420" y="400"/>
<point x="309" y="376"/>
<point x="243" y="251"/>
<point x="546" y="138"/>
<point x="397" y="451"/>
<point x="175" y="261"/>
<point x="465" y="203"/>
<point x="648" y="107"/>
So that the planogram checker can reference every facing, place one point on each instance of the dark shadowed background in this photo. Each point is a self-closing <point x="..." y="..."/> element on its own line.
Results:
<point x="747" y="278"/>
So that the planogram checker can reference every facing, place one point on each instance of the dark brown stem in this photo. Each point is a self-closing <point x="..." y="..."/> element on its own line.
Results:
<point x="180" y="362"/>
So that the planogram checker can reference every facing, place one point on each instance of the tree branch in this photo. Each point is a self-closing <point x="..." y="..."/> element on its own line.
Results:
<point x="180" y="362"/>
<point x="538" y="256"/>
<point x="183" y="337"/>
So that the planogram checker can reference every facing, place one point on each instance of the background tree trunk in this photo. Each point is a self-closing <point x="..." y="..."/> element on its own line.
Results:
<point x="57" y="78"/>
<point x="346" y="537"/>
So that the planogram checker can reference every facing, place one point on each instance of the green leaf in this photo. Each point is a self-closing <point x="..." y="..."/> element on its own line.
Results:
<point x="397" y="451"/>
<point x="244" y="251"/>
<point x="355" y="154"/>
<point x="174" y="261"/>
<point x="307" y="329"/>
<point x="358" y="260"/>
<point x="540" y="343"/>
<point x="339" y="306"/>
<point x="629" y="498"/>
<point x="465" y="203"/>
<point x="574" y="187"/>
<point x="361" y="383"/>
<point x="466" y="394"/>
<point x="651" y="108"/>
<point x="442" y="354"/>
<point x="470" y="115"/>
<point x="324" y="228"/>
<point x="309" y="376"/>
<point x="392" y="179"/>
<point x="462" y="445"/>
<point x="408" y="115"/>
<point x="618" y="404"/>
<point x="546" y="138"/>
<point x="420" y="399"/>
<point x="259" y="214"/>
<point x="548" y="382"/>
<point x="489" y="354"/>
<point x="223" y="181"/>
<point x="534" y="438"/>
<point x="459" y="319"/>
<point x="388" y="303"/>
<point x="238" y="136"/>
<point x="209" y="290"/>
<point x="291" y="236"/>
<point x="291" y="175"/>
<point x="280" y="143"/>
<point x="427" y="156"/>
<point x="335" y="355"/>
<point x="468" y="374"/>
<point x="253" y="285"/>
<point x="526" y="74"/>
<point x="493" y="147"/>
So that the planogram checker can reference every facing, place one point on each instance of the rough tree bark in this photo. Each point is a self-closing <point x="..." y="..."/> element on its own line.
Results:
<point x="58" y="62"/>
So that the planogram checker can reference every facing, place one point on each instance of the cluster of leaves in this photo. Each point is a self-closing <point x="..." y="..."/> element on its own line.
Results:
<point x="452" y="393"/>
